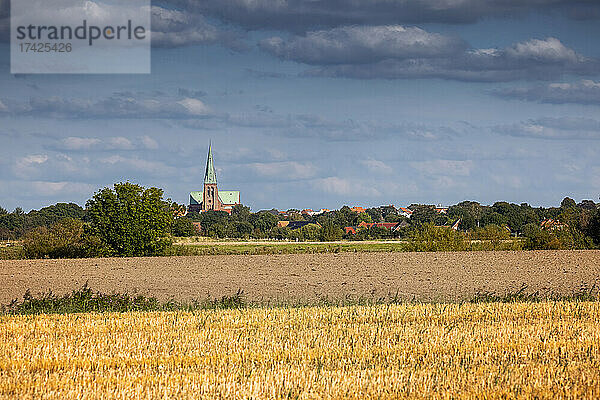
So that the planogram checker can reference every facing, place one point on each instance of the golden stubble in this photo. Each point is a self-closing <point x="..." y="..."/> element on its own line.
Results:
<point x="525" y="350"/>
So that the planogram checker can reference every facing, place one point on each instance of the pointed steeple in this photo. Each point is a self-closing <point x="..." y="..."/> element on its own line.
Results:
<point x="210" y="176"/>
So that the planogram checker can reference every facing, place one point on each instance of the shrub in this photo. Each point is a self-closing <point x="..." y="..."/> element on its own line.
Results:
<point x="432" y="238"/>
<point x="64" y="239"/>
<point x="492" y="232"/>
<point x="540" y="239"/>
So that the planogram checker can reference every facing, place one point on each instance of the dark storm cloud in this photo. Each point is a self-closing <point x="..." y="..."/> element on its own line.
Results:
<point x="566" y="128"/>
<point x="301" y="15"/>
<point x="532" y="60"/>
<point x="583" y="92"/>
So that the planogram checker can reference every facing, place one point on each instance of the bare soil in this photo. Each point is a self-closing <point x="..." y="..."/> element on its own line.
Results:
<point x="300" y="278"/>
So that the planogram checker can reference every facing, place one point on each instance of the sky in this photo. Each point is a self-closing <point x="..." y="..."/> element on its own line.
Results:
<point x="322" y="103"/>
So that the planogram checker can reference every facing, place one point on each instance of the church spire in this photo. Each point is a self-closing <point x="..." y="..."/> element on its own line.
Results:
<point x="210" y="177"/>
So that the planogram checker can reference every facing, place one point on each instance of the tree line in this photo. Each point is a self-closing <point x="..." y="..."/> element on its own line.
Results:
<point x="130" y="220"/>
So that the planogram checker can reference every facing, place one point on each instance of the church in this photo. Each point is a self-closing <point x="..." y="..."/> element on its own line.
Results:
<point x="211" y="198"/>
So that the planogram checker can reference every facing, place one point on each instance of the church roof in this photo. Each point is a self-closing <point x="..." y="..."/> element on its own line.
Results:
<point x="225" y="196"/>
<point x="210" y="176"/>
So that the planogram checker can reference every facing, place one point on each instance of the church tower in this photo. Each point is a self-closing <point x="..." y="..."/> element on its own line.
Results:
<point x="210" y="200"/>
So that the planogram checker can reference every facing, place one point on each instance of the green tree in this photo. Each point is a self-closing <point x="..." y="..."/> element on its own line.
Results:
<point x="469" y="213"/>
<point x="263" y="221"/>
<point x="184" y="227"/>
<point x="568" y="203"/>
<point x="330" y="233"/>
<point x="243" y="229"/>
<point x="587" y="205"/>
<point x="345" y="217"/>
<point x="375" y="215"/>
<point x="364" y="217"/>
<point x="240" y="212"/>
<point x="422" y="214"/>
<point x="131" y="220"/>
<point x="593" y="228"/>
<point x="214" y="223"/>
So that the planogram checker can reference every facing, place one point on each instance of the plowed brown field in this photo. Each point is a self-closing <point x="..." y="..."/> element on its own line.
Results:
<point x="309" y="277"/>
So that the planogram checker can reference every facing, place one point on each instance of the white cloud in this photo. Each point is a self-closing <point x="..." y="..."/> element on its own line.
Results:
<point x="34" y="159"/>
<point x="510" y="181"/>
<point x="285" y="170"/>
<point x="377" y="166"/>
<point x="443" y="167"/>
<point x="74" y="143"/>
<point x="119" y="105"/>
<point x="44" y="188"/>
<point x="120" y="143"/>
<point x="194" y="106"/>
<point x="80" y="143"/>
<point x="28" y="165"/>
<point x="345" y="187"/>
<point x="149" y="143"/>
<point x="173" y="28"/>
<point x="550" y="50"/>
<point x="533" y="59"/>
<point x="137" y="164"/>
<point x="363" y="44"/>
<point x="583" y="92"/>
<point x="554" y="128"/>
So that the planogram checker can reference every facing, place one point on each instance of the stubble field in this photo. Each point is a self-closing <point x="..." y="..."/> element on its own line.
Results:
<point x="541" y="350"/>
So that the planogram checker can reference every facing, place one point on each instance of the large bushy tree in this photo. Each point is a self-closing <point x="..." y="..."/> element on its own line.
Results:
<point x="130" y="220"/>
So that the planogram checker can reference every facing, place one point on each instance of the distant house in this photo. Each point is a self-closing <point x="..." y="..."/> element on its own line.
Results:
<point x="350" y="229"/>
<point x="441" y="210"/>
<point x="369" y="225"/>
<point x="311" y="212"/>
<point x="198" y="226"/>
<point x="358" y="210"/>
<point x="456" y="225"/>
<point x="405" y="212"/>
<point x="179" y="210"/>
<point x="553" y="225"/>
